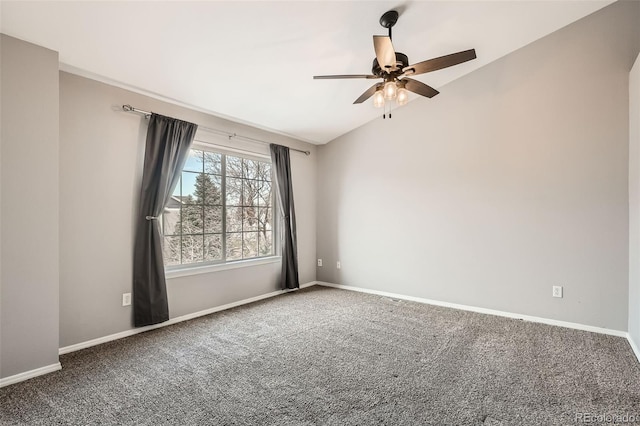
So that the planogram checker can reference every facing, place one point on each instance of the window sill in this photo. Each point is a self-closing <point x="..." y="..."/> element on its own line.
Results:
<point x="205" y="269"/>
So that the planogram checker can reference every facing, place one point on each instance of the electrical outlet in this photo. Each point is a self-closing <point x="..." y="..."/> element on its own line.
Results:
<point x="338" y="264"/>
<point x="126" y="299"/>
<point x="319" y="262"/>
<point x="557" y="291"/>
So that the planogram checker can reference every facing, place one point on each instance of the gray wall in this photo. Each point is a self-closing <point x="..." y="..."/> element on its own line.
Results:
<point x="101" y="154"/>
<point x="29" y="207"/>
<point x="512" y="180"/>
<point x="634" y="203"/>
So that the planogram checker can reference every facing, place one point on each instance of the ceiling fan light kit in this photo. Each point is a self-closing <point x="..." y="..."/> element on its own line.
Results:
<point x="393" y="68"/>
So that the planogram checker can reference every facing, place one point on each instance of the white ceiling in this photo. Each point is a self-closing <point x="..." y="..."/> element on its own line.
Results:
<point x="253" y="62"/>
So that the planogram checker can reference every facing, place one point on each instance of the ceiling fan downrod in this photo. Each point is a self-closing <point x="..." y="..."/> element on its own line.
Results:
<point x="388" y="20"/>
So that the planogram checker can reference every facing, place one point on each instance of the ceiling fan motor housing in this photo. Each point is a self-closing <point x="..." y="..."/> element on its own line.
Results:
<point x="402" y="61"/>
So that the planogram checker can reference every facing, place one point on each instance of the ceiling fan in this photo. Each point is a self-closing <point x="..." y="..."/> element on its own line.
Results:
<point x="393" y="68"/>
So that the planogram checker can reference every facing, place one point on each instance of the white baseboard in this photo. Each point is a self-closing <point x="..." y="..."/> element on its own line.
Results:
<point x="131" y="332"/>
<point x="634" y="346"/>
<point x="541" y="320"/>
<point x="21" y="377"/>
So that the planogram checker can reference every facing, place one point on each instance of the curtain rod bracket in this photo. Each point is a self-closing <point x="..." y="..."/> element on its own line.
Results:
<point x="129" y="108"/>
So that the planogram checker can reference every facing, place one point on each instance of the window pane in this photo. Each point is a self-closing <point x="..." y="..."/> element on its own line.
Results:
<point x="264" y="219"/>
<point x="264" y="198"/>
<point x="250" y="244"/>
<point x="250" y="169"/>
<point x="250" y="191"/>
<point x="249" y="219"/>
<point x="234" y="219"/>
<point x="212" y="162"/>
<point x="192" y="219"/>
<point x="192" y="248"/>
<point x="234" y="166"/>
<point x="265" y="171"/>
<point x="194" y="161"/>
<point x="234" y="191"/>
<point x="256" y="169"/>
<point x="212" y="219"/>
<point x="212" y="247"/>
<point x="265" y="246"/>
<point x="170" y="219"/>
<point x="189" y="180"/>
<point x="208" y="189"/>
<point x="171" y="251"/>
<point x="215" y="197"/>
<point x="234" y="246"/>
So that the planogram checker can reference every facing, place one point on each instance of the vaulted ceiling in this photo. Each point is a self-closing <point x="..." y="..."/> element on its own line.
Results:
<point x="253" y="62"/>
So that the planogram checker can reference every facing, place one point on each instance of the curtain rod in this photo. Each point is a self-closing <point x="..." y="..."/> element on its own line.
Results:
<point x="147" y="114"/>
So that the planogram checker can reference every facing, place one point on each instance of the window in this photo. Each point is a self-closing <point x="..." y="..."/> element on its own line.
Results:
<point x="220" y="211"/>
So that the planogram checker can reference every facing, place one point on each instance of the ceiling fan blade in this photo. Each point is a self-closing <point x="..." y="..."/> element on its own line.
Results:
<point x="441" y="62"/>
<point x="385" y="54"/>
<point x="326" y="77"/>
<point x="419" y="87"/>
<point x="366" y="95"/>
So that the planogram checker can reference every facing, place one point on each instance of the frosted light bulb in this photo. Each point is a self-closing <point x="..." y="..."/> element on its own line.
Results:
<point x="403" y="96"/>
<point x="378" y="99"/>
<point x="390" y="90"/>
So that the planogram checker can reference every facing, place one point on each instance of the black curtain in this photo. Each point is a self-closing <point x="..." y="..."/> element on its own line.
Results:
<point x="167" y="149"/>
<point x="284" y="189"/>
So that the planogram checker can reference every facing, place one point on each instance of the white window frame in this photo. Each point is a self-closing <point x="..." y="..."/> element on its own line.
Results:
<point x="175" y="271"/>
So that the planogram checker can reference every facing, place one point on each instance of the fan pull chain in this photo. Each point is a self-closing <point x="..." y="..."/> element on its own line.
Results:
<point x="384" y="112"/>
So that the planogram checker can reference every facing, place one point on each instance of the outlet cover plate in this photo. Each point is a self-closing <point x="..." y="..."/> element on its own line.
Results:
<point x="557" y="291"/>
